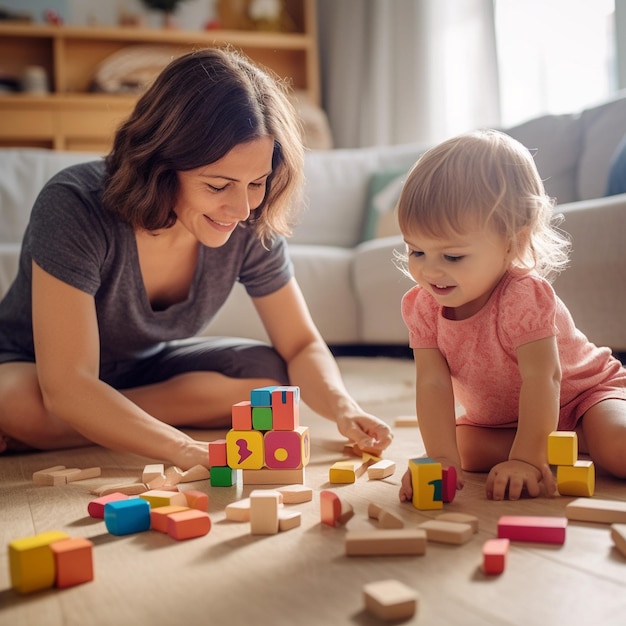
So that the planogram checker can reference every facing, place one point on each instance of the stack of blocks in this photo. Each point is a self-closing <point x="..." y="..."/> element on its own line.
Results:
<point x="266" y="442"/>
<point x="573" y="477"/>
<point x="432" y="485"/>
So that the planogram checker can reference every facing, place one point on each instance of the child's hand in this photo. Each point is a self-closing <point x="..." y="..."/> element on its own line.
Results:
<point x="406" y="486"/>
<point x="368" y="432"/>
<point x="516" y="475"/>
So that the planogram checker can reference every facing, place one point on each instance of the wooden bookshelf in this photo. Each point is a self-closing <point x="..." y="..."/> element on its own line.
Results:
<point x="73" y="117"/>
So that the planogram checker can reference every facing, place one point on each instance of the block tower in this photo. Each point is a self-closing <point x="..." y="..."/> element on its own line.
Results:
<point x="266" y="442"/>
<point x="573" y="477"/>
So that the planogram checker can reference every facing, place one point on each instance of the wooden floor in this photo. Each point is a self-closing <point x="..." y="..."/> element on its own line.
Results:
<point x="302" y="577"/>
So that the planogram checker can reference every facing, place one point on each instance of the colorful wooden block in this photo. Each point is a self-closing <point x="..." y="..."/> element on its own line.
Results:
<point x="196" y="499"/>
<point x="448" y="484"/>
<point x="390" y="600"/>
<point x="447" y="532"/>
<point x="381" y="469"/>
<point x="394" y="541"/>
<point x="159" y="516"/>
<point x="124" y="517"/>
<point x="343" y="472"/>
<point x="426" y="479"/>
<point x="96" y="507"/>
<point x="578" y="479"/>
<point x="224" y="476"/>
<point x="295" y="494"/>
<point x="288" y="520"/>
<point x="244" y="449"/>
<point x="264" y="504"/>
<point x="188" y="524"/>
<point x="217" y="452"/>
<point x="287" y="449"/>
<point x="262" y="418"/>
<point x="460" y="518"/>
<point x="262" y="396"/>
<point x="495" y="552"/>
<point x="286" y="407"/>
<point x="562" y="448"/>
<point x="238" y="511"/>
<point x="31" y="562"/>
<point x="334" y="511"/>
<point x="160" y="497"/>
<point x="267" y="476"/>
<point x="597" y="510"/>
<point x="73" y="561"/>
<point x="618" y="534"/>
<point x="532" y="528"/>
<point x="241" y="416"/>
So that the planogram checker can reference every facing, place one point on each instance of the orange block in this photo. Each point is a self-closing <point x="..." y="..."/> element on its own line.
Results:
<point x="159" y="516"/>
<point x="73" y="561"/>
<point x="96" y="507"/>
<point x="333" y="510"/>
<point x="197" y="499"/>
<point x="217" y="453"/>
<point x="494" y="555"/>
<point x="188" y="524"/>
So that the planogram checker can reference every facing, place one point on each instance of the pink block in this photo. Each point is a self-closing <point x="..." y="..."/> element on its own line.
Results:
<point x="448" y="484"/>
<point x="330" y="508"/>
<point x="286" y="408"/>
<point x="96" y="507"/>
<point x="532" y="528"/>
<point x="197" y="499"/>
<point x="217" y="453"/>
<point x="188" y="524"/>
<point x="494" y="555"/>
<point x="283" y="449"/>
<point x="242" y="416"/>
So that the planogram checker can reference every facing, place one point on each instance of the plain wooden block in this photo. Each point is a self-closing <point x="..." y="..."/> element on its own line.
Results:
<point x="244" y="449"/>
<point x="217" y="452"/>
<point x="267" y="476"/>
<point x="195" y="473"/>
<point x="153" y="471"/>
<point x="73" y="561"/>
<point x="386" y="519"/>
<point x="295" y="494"/>
<point x="381" y="469"/>
<point x="57" y="477"/>
<point x="31" y="562"/>
<point x="238" y="511"/>
<point x="578" y="479"/>
<point x="401" y="541"/>
<point x="334" y="511"/>
<point x="162" y="497"/>
<point x="129" y="489"/>
<point x="495" y="552"/>
<point x="124" y="517"/>
<point x="40" y="477"/>
<point x="409" y="421"/>
<point x="343" y="472"/>
<point x="96" y="507"/>
<point x="460" y="518"/>
<point x="241" y="416"/>
<point x="618" y="534"/>
<point x="390" y="600"/>
<point x="532" y="528"/>
<point x="562" y="448"/>
<point x="426" y="480"/>
<point x="196" y="499"/>
<point x="447" y="532"/>
<point x="288" y="519"/>
<point x="596" y="510"/>
<point x="264" y="505"/>
<point x="159" y="516"/>
<point x="188" y="524"/>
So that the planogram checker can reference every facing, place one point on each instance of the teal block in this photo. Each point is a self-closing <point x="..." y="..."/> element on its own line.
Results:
<point x="261" y="418"/>
<point x="124" y="517"/>
<point x="223" y="476"/>
<point x="262" y="396"/>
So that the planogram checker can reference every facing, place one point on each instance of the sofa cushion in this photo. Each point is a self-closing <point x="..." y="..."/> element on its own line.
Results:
<point x="382" y="197"/>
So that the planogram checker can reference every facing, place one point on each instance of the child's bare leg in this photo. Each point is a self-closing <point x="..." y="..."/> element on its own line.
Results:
<point x="481" y="448"/>
<point x="603" y="436"/>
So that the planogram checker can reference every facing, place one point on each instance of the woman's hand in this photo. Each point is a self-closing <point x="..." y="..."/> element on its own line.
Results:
<point x="366" y="431"/>
<point x="513" y="476"/>
<point x="406" y="486"/>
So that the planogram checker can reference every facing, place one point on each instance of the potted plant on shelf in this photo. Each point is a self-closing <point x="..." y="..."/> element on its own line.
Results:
<point x="166" y="7"/>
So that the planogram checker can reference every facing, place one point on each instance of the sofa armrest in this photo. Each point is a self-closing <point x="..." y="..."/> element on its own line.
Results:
<point x="593" y="286"/>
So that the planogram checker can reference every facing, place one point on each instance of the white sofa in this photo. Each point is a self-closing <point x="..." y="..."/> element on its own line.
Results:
<point x="352" y="286"/>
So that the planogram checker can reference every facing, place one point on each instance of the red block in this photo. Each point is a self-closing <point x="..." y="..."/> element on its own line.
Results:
<point x="217" y="453"/>
<point x="494" y="555"/>
<point x="448" y="484"/>
<point x="242" y="416"/>
<point x="96" y="507"/>
<point x="285" y="408"/>
<point x="188" y="524"/>
<point x="532" y="528"/>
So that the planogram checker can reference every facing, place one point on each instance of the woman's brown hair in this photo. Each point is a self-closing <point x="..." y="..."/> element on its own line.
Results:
<point x="202" y="105"/>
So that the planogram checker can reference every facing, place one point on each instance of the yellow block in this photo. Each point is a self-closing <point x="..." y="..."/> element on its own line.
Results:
<point x="244" y="449"/>
<point x="32" y="562"/>
<point x="576" y="480"/>
<point x="562" y="448"/>
<point x="427" y="482"/>
<point x="343" y="472"/>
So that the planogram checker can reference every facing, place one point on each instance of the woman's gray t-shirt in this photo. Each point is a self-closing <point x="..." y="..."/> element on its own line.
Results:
<point x="73" y="238"/>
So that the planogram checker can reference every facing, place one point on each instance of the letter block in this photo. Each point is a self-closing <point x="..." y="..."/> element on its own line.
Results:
<point x="427" y="479"/>
<point x="244" y="449"/>
<point x="576" y="480"/>
<point x="286" y="407"/>
<point x="287" y="449"/>
<point x="562" y="448"/>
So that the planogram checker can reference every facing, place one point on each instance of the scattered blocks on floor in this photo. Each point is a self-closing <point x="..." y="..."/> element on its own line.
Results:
<point x="238" y="511"/>
<point x="618" y="534"/>
<point x="386" y="519"/>
<point x="196" y="499"/>
<point x="447" y="532"/>
<point x="426" y="479"/>
<point x="495" y="552"/>
<point x="381" y="469"/>
<point x="386" y="542"/>
<point x="578" y="479"/>
<point x="390" y="600"/>
<point x="597" y="510"/>
<point x="96" y="507"/>
<point x="73" y="561"/>
<point x="128" y="489"/>
<point x="153" y="473"/>
<point x="158" y="497"/>
<point x="124" y="517"/>
<point x="188" y="524"/>
<point x="532" y="528"/>
<point x="334" y="511"/>
<point x="296" y="494"/>
<point x="288" y="519"/>
<point x="460" y="518"/>
<point x="61" y="475"/>
<point x="264" y="504"/>
<point x="343" y="472"/>
<point x="159" y="516"/>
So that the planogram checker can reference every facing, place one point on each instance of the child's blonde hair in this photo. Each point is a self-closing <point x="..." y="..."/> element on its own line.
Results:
<point x="485" y="179"/>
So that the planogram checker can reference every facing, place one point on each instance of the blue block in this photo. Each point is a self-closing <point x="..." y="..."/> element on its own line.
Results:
<point x="124" y="517"/>
<point x="262" y="396"/>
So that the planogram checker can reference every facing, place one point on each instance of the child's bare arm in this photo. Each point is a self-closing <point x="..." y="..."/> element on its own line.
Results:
<point x="434" y="402"/>
<point x="538" y="416"/>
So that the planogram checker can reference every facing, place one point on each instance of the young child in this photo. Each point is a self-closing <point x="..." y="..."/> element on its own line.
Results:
<point x="487" y="329"/>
